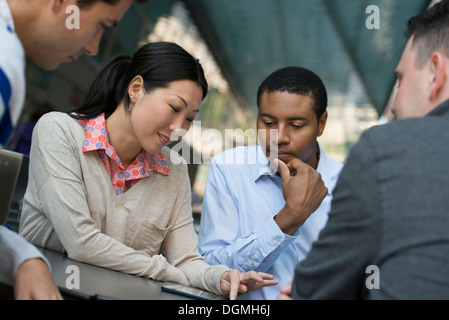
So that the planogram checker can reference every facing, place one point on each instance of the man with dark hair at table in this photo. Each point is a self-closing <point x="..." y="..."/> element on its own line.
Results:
<point x="252" y="219"/>
<point x="387" y="234"/>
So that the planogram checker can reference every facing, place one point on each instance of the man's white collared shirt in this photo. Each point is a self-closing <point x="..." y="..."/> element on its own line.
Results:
<point x="12" y="74"/>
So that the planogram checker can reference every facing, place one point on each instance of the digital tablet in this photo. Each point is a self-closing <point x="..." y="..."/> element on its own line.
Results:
<point x="192" y="292"/>
<point x="68" y="294"/>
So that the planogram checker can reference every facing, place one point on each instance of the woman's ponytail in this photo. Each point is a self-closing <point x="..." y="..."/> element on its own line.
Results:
<point x="107" y="90"/>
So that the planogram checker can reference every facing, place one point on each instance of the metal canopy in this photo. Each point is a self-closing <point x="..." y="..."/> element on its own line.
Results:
<point x="252" y="38"/>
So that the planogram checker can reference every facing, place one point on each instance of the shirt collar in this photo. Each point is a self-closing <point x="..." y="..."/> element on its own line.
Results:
<point x="324" y="170"/>
<point x="5" y="12"/>
<point x="96" y="138"/>
<point x="262" y="167"/>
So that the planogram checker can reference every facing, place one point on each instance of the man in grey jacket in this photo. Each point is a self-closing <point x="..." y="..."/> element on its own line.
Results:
<point x="387" y="234"/>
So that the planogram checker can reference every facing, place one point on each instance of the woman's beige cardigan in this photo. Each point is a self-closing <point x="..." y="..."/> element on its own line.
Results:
<point x="70" y="205"/>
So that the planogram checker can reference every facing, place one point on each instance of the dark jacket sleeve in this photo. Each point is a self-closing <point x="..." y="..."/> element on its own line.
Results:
<point x="336" y="267"/>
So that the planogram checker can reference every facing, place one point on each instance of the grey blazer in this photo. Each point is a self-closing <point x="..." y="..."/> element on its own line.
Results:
<point x="387" y="236"/>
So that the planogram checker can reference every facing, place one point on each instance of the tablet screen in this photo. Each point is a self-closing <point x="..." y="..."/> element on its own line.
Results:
<point x="192" y="292"/>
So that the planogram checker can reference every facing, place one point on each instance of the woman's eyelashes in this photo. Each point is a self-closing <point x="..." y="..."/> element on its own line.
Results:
<point x="177" y="110"/>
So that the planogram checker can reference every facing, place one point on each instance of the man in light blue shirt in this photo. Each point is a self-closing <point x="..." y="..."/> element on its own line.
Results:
<point x="249" y="221"/>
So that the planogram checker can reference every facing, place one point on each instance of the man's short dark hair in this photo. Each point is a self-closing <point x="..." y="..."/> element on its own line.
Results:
<point x="296" y="80"/>
<point x="85" y="4"/>
<point x="430" y="31"/>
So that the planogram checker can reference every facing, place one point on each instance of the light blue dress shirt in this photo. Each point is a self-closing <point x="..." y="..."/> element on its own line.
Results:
<point x="237" y="226"/>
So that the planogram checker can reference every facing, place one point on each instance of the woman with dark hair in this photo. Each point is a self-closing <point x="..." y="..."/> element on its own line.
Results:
<point x="103" y="186"/>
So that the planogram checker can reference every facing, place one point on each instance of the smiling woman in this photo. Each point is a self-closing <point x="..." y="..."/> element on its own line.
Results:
<point x="104" y="188"/>
<point x="146" y="98"/>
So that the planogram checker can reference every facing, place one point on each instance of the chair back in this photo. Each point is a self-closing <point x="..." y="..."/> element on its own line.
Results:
<point x="13" y="181"/>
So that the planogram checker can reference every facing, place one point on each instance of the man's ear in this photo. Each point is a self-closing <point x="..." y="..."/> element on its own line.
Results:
<point x="322" y="123"/>
<point x="438" y="75"/>
<point x="57" y="5"/>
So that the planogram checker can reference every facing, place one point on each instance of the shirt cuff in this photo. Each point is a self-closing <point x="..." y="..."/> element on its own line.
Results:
<point x="16" y="250"/>
<point x="274" y="236"/>
<point x="31" y="253"/>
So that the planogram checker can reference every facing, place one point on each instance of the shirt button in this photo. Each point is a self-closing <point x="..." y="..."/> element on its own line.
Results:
<point x="275" y="243"/>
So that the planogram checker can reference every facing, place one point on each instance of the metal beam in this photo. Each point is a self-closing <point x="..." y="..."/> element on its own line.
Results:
<point x="202" y="20"/>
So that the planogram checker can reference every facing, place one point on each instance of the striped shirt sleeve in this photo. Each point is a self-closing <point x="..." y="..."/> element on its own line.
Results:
<point x="12" y="80"/>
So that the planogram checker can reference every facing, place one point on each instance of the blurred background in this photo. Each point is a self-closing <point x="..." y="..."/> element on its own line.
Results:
<point x="350" y="44"/>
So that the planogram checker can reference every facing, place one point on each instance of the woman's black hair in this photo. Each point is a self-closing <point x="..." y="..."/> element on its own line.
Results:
<point x="158" y="63"/>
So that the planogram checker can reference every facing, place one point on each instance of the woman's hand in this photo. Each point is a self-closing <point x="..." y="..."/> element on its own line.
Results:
<point x="233" y="282"/>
